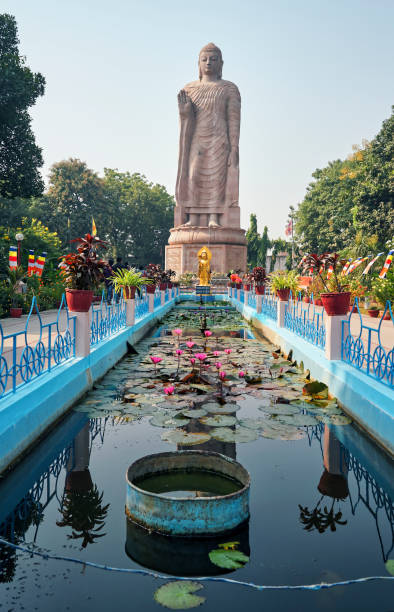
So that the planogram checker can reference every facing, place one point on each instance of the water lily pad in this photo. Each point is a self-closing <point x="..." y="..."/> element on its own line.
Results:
<point x="218" y="420"/>
<point x="285" y="409"/>
<point x="214" y="408"/>
<point x="141" y="410"/>
<point x="194" y="413"/>
<point x="316" y="389"/>
<point x="229" y="559"/>
<point x="168" y="420"/>
<point x="179" y="595"/>
<point x="335" y="419"/>
<point x="258" y="423"/>
<point x="298" y="420"/>
<point x="178" y="436"/>
<point x="239" y="434"/>
<point x="283" y="433"/>
<point x="390" y="566"/>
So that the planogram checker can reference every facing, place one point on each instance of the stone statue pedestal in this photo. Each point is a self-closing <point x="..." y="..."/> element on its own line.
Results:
<point x="228" y="247"/>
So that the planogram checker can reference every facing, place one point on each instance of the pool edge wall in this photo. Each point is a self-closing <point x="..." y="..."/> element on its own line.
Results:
<point x="36" y="407"/>
<point x="369" y="402"/>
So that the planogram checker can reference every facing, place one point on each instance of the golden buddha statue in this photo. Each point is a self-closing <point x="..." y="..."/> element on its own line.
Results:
<point x="204" y="266"/>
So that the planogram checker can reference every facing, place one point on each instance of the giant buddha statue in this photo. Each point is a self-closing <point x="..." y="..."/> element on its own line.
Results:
<point x="207" y="209"/>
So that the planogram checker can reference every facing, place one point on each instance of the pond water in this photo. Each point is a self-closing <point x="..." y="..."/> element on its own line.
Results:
<point x="321" y="493"/>
<point x="188" y="484"/>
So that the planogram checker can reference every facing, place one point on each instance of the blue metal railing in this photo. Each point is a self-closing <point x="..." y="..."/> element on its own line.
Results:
<point x="157" y="299"/>
<point x="141" y="306"/>
<point x="22" y="360"/>
<point x="365" y="351"/>
<point x="107" y="319"/>
<point x="269" y="305"/>
<point x="167" y="295"/>
<point x="252" y="299"/>
<point x="242" y="296"/>
<point x="305" y="321"/>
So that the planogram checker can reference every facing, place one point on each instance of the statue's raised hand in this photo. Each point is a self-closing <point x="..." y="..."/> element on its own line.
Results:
<point x="184" y="104"/>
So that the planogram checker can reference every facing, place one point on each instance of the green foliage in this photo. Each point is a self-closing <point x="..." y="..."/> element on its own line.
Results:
<point x="390" y="566"/>
<point x="20" y="157"/>
<point x="179" y="595"/>
<point x="284" y="280"/>
<point x="229" y="559"/>
<point x="383" y="288"/>
<point x="128" y="278"/>
<point x="253" y="241"/>
<point x="350" y="203"/>
<point x="264" y="246"/>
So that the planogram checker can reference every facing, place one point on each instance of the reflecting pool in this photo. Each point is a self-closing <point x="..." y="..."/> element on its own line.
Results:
<point x="321" y="504"/>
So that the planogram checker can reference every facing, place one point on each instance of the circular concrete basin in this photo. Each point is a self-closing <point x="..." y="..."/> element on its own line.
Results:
<point x="187" y="512"/>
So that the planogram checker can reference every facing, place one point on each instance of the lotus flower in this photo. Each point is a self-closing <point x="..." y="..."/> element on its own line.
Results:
<point x="155" y="359"/>
<point x="222" y="374"/>
<point x="169" y="390"/>
<point x="218" y="365"/>
<point x="228" y="351"/>
<point x="201" y="356"/>
<point x="177" y="332"/>
<point x="207" y="333"/>
<point x="216" y="353"/>
<point x="192" y="361"/>
<point x="241" y="374"/>
<point x="190" y="344"/>
<point x="179" y="352"/>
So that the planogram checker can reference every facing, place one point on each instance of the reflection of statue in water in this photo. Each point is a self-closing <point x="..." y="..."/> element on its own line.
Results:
<point x="204" y="266"/>
<point x="208" y="171"/>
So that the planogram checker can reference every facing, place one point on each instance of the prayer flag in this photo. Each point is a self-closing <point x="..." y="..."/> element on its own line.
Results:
<point x="356" y="263"/>
<point x="40" y="263"/>
<point x="31" y="263"/>
<point x="387" y="263"/>
<point x="347" y="264"/>
<point x="94" y="229"/>
<point x="369" y="266"/>
<point x="13" y="257"/>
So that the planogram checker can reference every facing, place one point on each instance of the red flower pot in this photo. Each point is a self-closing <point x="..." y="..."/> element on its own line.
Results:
<point x="129" y="293"/>
<point x="150" y="288"/>
<point x="387" y="316"/>
<point x="246" y="287"/>
<point x="373" y="313"/>
<point x="170" y="285"/>
<point x="283" y="294"/>
<point x="232" y="285"/>
<point x="260" y="289"/>
<point x="318" y="302"/>
<point x="163" y="286"/>
<point x="306" y="300"/>
<point x="238" y="285"/>
<point x="96" y="299"/>
<point x="336" y="303"/>
<point x="79" y="300"/>
<point x="15" y="313"/>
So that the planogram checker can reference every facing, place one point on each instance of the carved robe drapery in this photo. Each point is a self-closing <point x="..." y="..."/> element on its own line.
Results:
<point x="205" y="179"/>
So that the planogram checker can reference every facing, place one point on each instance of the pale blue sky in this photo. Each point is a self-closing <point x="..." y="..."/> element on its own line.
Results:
<point x="315" y="76"/>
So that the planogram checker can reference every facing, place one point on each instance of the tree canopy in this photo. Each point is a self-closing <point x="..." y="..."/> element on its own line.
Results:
<point x="20" y="157"/>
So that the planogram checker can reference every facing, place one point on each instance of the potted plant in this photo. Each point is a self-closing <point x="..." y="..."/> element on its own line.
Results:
<point x="128" y="282"/>
<point x="383" y="290"/>
<point x="15" y="278"/>
<point x="259" y="279"/>
<point x="247" y="281"/>
<point x="336" y="299"/>
<point x="373" y="311"/>
<point x="83" y="272"/>
<point x="154" y="273"/>
<point x="283" y="282"/>
<point x="170" y="274"/>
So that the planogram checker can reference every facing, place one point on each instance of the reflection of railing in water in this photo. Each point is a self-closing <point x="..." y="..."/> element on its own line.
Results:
<point x="373" y="496"/>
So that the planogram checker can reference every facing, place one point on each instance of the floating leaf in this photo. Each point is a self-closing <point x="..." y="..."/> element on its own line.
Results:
<point x="179" y="595"/>
<point x="229" y="559"/>
<point x="221" y="408"/>
<point x="316" y="389"/>
<point x="335" y="419"/>
<point x="286" y="409"/>
<point x="298" y="420"/>
<point x="239" y="434"/>
<point x="390" y="566"/>
<point x="283" y="433"/>
<point x="141" y="410"/>
<point x="258" y="423"/>
<point x="178" y="436"/>
<point x="168" y="420"/>
<point x="194" y="413"/>
<point x="218" y="420"/>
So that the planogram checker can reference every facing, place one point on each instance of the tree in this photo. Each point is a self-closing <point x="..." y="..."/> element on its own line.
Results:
<point x="20" y="157"/>
<point x="253" y="242"/>
<point x="140" y="215"/>
<point x="74" y="196"/>
<point x="265" y="244"/>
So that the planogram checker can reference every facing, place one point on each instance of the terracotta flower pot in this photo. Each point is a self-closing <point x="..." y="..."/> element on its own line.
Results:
<point x="150" y="288"/>
<point x="318" y="302"/>
<point x="15" y="313"/>
<point x="306" y="300"/>
<point x="129" y="293"/>
<point x="163" y="286"/>
<point x="283" y="294"/>
<point x="387" y="316"/>
<point x="260" y="289"/>
<point x="336" y="303"/>
<point x="238" y="285"/>
<point x="170" y="285"/>
<point x="246" y="287"/>
<point x="373" y="313"/>
<point x="79" y="300"/>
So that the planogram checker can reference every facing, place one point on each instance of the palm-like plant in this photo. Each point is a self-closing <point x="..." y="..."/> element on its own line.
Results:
<point x="124" y="278"/>
<point x="284" y="280"/>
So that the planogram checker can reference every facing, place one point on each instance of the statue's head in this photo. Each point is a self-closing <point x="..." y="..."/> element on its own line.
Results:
<point x="210" y="61"/>
<point x="204" y="255"/>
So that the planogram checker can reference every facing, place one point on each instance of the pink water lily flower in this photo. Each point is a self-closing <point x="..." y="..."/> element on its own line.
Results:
<point x="155" y="359"/>
<point x="169" y="390"/>
<point x="241" y="374"/>
<point x="192" y="361"/>
<point x="179" y="352"/>
<point x="190" y="344"/>
<point x="228" y="351"/>
<point x="207" y="333"/>
<point x="218" y="365"/>
<point x="222" y="374"/>
<point x="216" y="353"/>
<point x="201" y="356"/>
<point x="177" y="332"/>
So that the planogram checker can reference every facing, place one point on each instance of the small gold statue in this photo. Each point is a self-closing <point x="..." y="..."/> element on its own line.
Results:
<point x="204" y="266"/>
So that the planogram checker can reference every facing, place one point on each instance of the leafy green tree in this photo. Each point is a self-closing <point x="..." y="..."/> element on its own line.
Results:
<point x="140" y="215"/>
<point x="20" y="157"/>
<point x="265" y="244"/>
<point x="253" y="242"/>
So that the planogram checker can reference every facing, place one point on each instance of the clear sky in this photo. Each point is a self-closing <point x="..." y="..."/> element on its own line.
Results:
<point x="315" y="76"/>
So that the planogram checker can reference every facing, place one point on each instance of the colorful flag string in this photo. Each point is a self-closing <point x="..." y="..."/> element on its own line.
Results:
<point x="13" y="257"/>
<point x="40" y="263"/>
<point x="369" y="266"/>
<point x="347" y="264"/>
<point x="387" y="263"/>
<point x="31" y="263"/>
